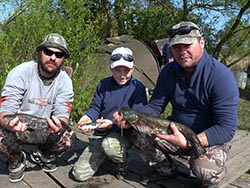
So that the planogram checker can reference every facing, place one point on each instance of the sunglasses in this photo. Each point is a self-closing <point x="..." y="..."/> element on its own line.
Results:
<point x="126" y="57"/>
<point x="181" y="31"/>
<point x="48" y="52"/>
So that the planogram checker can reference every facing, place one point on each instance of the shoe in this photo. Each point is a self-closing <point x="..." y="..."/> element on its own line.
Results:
<point x="121" y="171"/>
<point x="154" y="176"/>
<point x="211" y="186"/>
<point x="46" y="164"/>
<point x="162" y="170"/>
<point x="17" y="174"/>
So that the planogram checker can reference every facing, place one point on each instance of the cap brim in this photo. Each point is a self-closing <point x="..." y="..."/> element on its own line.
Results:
<point x="182" y="40"/>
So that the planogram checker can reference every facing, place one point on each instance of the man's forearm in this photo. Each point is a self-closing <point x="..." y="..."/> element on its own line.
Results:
<point x="203" y="139"/>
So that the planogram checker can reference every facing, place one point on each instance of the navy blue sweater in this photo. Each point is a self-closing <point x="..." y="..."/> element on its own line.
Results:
<point x="109" y="97"/>
<point x="209" y="103"/>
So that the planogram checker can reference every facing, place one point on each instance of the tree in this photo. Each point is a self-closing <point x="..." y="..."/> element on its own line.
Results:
<point x="70" y="18"/>
<point x="207" y="14"/>
<point x="239" y="32"/>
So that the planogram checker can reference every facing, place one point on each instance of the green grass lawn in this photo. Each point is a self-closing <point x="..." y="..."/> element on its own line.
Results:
<point x="244" y="109"/>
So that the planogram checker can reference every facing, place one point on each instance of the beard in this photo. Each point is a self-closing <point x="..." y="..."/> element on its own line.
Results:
<point x="46" y="70"/>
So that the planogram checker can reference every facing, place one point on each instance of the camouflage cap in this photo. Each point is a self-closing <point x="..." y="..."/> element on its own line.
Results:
<point x="184" y="33"/>
<point x="54" y="40"/>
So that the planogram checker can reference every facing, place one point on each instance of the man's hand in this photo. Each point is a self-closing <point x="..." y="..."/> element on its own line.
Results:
<point x="16" y="125"/>
<point x="177" y="138"/>
<point x="55" y="124"/>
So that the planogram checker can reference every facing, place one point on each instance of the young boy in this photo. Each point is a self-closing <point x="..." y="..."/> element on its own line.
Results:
<point x="109" y="140"/>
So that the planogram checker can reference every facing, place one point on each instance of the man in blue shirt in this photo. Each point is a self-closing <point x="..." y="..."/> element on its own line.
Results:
<point x="109" y="140"/>
<point x="204" y="96"/>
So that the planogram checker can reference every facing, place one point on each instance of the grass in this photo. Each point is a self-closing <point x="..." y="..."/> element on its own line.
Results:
<point x="244" y="109"/>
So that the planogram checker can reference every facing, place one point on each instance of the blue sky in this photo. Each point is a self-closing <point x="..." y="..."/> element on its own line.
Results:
<point x="5" y="11"/>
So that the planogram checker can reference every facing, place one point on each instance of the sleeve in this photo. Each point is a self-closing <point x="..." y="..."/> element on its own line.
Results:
<point x="13" y="91"/>
<point x="225" y="96"/>
<point x="64" y="99"/>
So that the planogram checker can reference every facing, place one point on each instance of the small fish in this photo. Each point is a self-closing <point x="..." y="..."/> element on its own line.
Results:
<point x="150" y="125"/>
<point x="93" y="125"/>
<point x="33" y="123"/>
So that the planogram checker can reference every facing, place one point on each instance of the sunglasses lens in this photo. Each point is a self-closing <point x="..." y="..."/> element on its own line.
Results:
<point x="126" y="57"/>
<point x="172" y="32"/>
<point x="47" y="52"/>
<point x="116" y="57"/>
<point x="181" y="31"/>
<point x="59" y="54"/>
<point x="50" y="53"/>
<point x="184" y="30"/>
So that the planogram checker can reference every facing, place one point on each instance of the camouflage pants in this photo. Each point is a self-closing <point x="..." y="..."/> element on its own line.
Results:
<point x="209" y="168"/>
<point x="49" y="144"/>
<point x="113" y="146"/>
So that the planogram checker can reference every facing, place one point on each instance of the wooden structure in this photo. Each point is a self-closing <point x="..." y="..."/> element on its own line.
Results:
<point x="238" y="165"/>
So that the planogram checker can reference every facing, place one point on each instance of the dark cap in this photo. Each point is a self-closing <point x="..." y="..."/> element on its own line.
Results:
<point x="184" y="33"/>
<point x="54" y="40"/>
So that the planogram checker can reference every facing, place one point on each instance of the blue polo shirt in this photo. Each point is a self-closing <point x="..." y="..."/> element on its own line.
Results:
<point x="209" y="103"/>
<point x="109" y="97"/>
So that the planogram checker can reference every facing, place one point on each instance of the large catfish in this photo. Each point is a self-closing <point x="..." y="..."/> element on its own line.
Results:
<point x="151" y="125"/>
<point x="33" y="123"/>
<point x="41" y="133"/>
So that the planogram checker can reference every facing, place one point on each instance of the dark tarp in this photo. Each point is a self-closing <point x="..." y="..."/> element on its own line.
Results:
<point x="164" y="50"/>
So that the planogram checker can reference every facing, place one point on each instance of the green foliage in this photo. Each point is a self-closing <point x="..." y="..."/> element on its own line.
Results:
<point x="85" y="23"/>
<point x="69" y="18"/>
<point x="151" y="24"/>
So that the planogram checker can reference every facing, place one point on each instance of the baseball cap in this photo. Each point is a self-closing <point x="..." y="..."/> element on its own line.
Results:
<point x="54" y="40"/>
<point x="183" y="33"/>
<point x="122" y="56"/>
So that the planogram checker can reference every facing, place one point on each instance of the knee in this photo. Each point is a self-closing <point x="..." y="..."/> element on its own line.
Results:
<point x="209" y="174"/>
<point x="111" y="147"/>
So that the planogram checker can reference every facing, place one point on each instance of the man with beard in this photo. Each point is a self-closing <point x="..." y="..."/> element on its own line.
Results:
<point x="43" y="89"/>
<point x="204" y="96"/>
